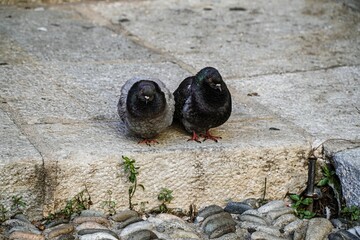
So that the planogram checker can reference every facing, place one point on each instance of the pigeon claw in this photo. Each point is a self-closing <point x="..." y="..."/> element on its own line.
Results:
<point x="195" y="137"/>
<point x="207" y="136"/>
<point x="148" y="141"/>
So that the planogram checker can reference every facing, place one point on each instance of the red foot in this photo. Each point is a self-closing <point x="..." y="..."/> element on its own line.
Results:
<point x="148" y="141"/>
<point x="195" y="137"/>
<point x="207" y="136"/>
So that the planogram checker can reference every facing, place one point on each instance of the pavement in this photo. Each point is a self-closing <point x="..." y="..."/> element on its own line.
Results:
<point x="293" y="69"/>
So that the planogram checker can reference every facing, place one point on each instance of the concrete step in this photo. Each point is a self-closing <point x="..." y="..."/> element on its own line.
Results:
<point x="62" y="70"/>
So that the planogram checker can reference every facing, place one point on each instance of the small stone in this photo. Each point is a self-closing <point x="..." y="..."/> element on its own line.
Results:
<point x="300" y="233"/>
<point x="56" y="222"/>
<point x="18" y="223"/>
<point x="18" y="235"/>
<point x="293" y="226"/>
<point x="129" y="221"/>
<point x="342" y="235"/>
<point x="167" y="222"/>
<point x="253" y="212"/>
<point x="229" y="236"/>
<point x="218" y="224"/>
<point x="97" y="236"/>
<point x="274" y="214"/>
<point x="24" y="229"/>
<point x="135" y="227"/>
<point x="355" y="231"/>
<point x="236" y="207"/>
<point x="223" y="230"/>
<point x="337" y="223"/>
<point x="252" y="202"/>
<point x="242" y="233"/>
<point x="92" y="231"/>
<point x="123" y="215"/>
<point x="141" y="235"/>
<point x="252" y="218"/>
<point x="61" y="229"/>
<point x="209" y="210"/>
<point x="284" y="220"/>
<point x="90" y="225"/>
<point x="271" y="206"/>
<point x="264" y="236"/>
<point x="22" y="217"/>
<point x="182" y="234"/>
<point x="318" y="229"/>
<point x="258" y="227"/>
<point x="100" y="220"/>
<point x="66" y="237"/>
<point x="92" y="213"/>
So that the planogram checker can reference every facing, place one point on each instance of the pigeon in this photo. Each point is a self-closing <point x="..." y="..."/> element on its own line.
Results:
<point x="202" y="102"/>
<point x="146" y="107"/>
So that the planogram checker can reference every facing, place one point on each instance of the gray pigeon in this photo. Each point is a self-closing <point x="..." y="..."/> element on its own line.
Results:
<point x="146" y="107"/>
<point x="202" y="102"/>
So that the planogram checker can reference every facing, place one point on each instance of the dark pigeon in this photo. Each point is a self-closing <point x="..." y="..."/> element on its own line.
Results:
<point x="146" y="107"/>
<point x="202" y="102"/>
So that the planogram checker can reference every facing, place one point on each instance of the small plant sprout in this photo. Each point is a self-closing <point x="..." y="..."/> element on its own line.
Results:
<point x="132" y="171"/>
<point x="3" y="212"/>
<point x="165" y="196"/>
<point x="81" y="201"/>
<point x="300" y="204"/>
<point x="352" y="212"/>
<point x="109" y="204"/>
<point x="17" y="204"/>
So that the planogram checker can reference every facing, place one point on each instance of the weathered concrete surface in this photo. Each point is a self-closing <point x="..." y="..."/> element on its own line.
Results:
<point x="262" y="37"/>
<point x="62" y="68"/>
<point x="21" y="167"/>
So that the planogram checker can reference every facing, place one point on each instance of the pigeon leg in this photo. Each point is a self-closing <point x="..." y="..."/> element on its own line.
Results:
<point x="207" y="135"/>
<point x="148" y="141"/>
<point x="195" y="137"/>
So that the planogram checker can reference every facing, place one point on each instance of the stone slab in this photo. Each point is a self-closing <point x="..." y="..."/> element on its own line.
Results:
<point x="21" y="168"/>
<point x="244" y="39"/>
<point x="89" y="155"/>
<point x="325" y="103"/>
<point x="53" y="36"/>
<point x="62" y="90"/>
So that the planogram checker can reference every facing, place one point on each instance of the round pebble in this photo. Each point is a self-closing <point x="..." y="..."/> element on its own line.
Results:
<point x="90" y="225"/>
<point x="208" y="211"/>
<point x="18" y="235"/>
<point x="318" y="229"/>
<point x="252" y="218"/>
<point x="123" y="215"/>
<point x="61" y="229"/>
<point x="97" y="236"/>
<point x="272" y="206"/>
<point x="100" y="220"/>
<point x="236" y="207"/>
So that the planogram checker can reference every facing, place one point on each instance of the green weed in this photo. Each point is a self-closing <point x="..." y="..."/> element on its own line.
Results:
<point x="300" y="205"/>
<point x="165" y="196"/>
<point x="132" y="171"/>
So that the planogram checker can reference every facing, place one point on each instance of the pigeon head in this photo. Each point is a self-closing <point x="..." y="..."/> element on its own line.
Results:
<point x="146" y="93"/>
<point x="210" y="79"/>
<point x="146" y="99"/>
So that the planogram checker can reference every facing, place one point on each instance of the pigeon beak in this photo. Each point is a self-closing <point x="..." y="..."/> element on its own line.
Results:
<point x="146" y="99"/>
<point x="218" y="86"/>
